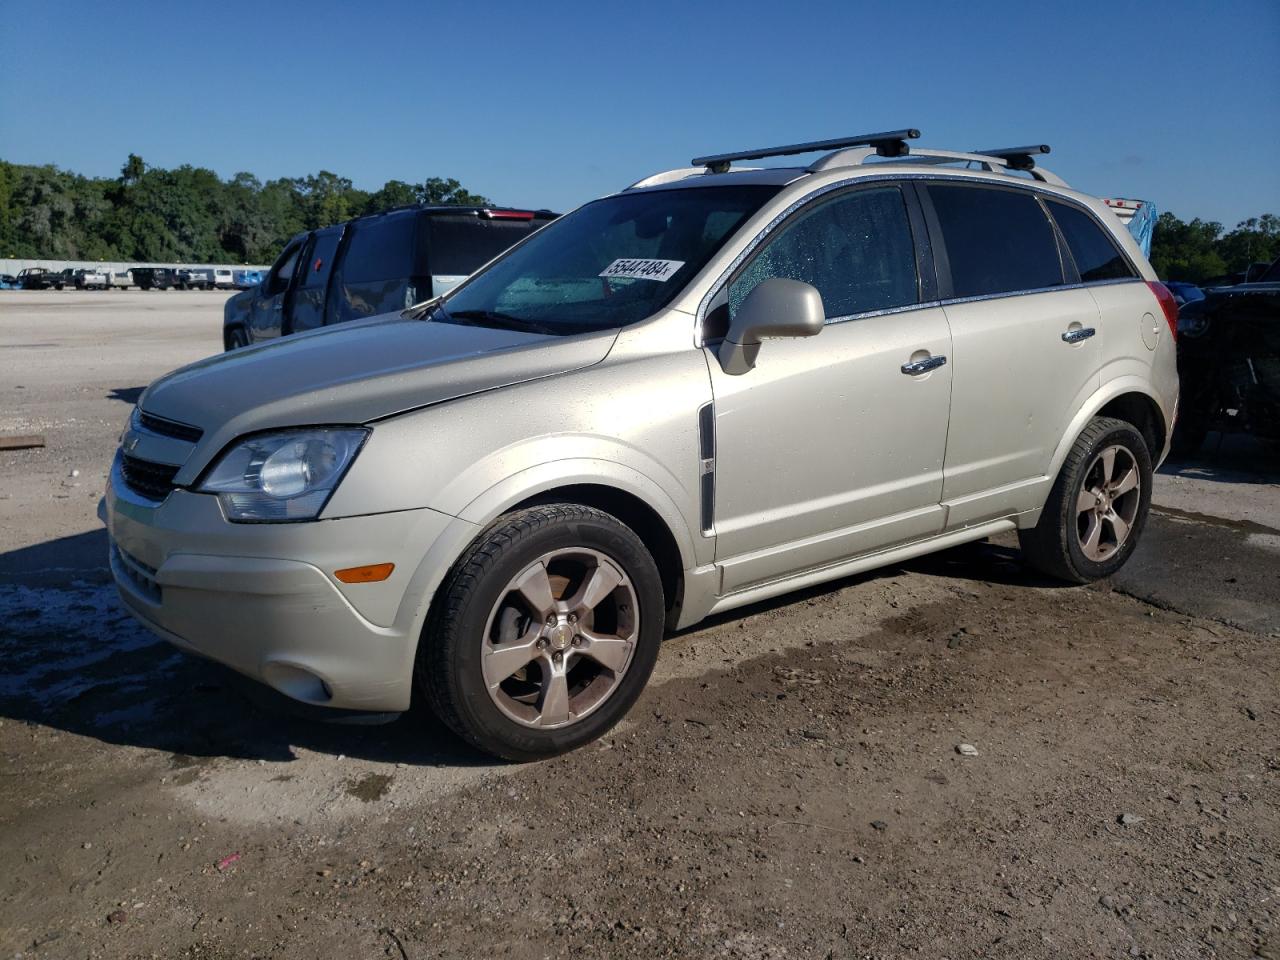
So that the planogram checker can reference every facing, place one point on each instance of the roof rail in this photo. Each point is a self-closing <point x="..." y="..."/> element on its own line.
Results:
<point x="892" y="143"/>
<point x="1018" y="158"/>
<point x="995" y="161"/>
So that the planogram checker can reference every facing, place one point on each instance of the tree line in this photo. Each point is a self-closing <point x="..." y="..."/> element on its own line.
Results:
<point x="1202" y="250"/>
<point x="187" y="214"/>
<point x="190" y="215"/>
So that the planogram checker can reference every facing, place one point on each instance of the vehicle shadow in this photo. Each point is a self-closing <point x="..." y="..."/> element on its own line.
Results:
<point x="127" y="395"/>
<point x="1229" y="458"/>
<point x="71" y="658"/>
<point x="74" y="660"/>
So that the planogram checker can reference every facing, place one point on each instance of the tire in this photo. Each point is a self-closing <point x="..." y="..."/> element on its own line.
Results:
<point x="236" y="338"/>
<point x="1063" y="544"/>
<point x="481" y="611"/>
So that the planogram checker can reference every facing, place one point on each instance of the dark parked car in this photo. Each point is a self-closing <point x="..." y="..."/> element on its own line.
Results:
<point x="155" y="278"/>
<point x="37" y="278"/>
<point x="372" y="265"/>
<point x="1229" y="362"/>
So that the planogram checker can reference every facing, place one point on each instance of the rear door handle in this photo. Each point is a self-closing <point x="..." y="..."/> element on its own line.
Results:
<point x="917" y="367"/>
<point x="1078" y="334"/>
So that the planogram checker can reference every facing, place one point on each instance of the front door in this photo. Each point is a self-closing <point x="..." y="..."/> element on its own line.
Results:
<point x="833" y="446"/>
<point x="266" y="316"/>
<point x="306" y="310"/>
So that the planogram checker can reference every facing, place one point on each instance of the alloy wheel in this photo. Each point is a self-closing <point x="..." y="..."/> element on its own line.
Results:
<point x="560" y="638"/>
<point x="1107" y="504"/>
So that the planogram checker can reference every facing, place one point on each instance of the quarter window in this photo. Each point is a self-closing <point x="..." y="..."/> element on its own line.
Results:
<point x="381" y="249"/>
<point x="856" y="250"/>
<point x="998" y="241"/>
<point x="1096" y="255"/>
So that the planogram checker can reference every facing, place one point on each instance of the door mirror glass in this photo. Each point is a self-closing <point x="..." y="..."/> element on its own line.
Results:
<point x="776" y="307"/>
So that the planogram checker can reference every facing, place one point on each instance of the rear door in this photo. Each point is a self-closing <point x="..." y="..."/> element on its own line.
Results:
<point x="1026" y="354"/>
<point x="307" y="305"/>
<point x="374" y="267"/>
<point x="266" y="316"/>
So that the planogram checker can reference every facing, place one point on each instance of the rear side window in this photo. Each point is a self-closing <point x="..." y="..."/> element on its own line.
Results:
<point x="457" y="246"/>
<point x="320" y="260"/>
<point x="1096" y="255"/>
<point x="856" y="250"/>
<point x="381" y="249"/>
<point x="998" y="241"/>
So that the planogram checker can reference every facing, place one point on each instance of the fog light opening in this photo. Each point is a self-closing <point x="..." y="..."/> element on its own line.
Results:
<point x="298" y="683"/>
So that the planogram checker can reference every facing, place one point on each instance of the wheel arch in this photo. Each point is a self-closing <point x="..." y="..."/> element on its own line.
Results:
<point x="1128" y="398"/>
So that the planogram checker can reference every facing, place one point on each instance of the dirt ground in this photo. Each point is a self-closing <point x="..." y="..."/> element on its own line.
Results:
<point x="791" y="785"/>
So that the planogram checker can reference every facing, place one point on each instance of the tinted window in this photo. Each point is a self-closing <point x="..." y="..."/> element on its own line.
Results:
<point x="998" y="241"/>
<point x="856" y="250"/>
<point x="607" y="264"/>
<point x="381" y="249"/>
<point x="320" y="259"/>
<point x="1096" y="255"/>
<point x="458" y="246"/>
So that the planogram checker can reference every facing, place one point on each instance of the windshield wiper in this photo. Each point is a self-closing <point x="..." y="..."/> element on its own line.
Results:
<point x="502" y="321"/>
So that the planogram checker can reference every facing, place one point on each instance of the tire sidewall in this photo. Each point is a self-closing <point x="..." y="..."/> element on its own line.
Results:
<point x="463" y="665"/>
<point x="1127" y="436"/>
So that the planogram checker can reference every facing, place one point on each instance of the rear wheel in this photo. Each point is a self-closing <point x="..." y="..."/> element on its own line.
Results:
<point x="545" y="632"/>
<point x="1097" y="508"/>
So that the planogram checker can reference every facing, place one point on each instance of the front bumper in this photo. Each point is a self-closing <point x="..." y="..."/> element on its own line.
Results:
<point x="262" y="598"/>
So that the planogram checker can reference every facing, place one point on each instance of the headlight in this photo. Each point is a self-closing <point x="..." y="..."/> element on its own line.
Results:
<point x="279" y="477"/>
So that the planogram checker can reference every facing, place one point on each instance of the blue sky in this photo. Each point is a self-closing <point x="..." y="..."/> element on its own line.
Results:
<point x="551" y="104"/>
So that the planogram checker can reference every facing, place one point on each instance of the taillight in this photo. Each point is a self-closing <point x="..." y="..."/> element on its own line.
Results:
<point x="1167" y="304"/>
<point x="507" y="214"/>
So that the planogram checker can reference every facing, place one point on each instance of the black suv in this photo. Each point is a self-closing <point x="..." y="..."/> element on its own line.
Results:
<point x="372" y="265"/>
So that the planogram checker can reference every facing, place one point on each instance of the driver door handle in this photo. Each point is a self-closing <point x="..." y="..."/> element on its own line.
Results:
<point x="1078" y="334"/>
<point x="917" y="367"/>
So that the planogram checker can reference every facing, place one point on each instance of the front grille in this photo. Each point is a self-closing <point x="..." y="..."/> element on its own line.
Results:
<point x="151" y="480"/>
<point x="169" y="428"/>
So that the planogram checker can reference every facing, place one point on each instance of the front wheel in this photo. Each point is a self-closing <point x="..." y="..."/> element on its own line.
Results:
<point x="544" y="634"/>
<point x="1097" y="508"/>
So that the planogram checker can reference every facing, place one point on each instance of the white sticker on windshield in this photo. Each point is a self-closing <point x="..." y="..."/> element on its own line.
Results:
<point x="662" y="270"/>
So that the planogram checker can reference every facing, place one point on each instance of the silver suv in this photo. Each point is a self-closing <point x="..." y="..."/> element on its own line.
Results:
<point x="713" y="387"/>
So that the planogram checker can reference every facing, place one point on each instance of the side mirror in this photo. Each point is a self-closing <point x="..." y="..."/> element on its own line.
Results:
<point x="774" y="308"/>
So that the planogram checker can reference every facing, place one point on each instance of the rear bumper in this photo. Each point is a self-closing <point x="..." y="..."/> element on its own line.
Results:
<point x="262" y="598"/>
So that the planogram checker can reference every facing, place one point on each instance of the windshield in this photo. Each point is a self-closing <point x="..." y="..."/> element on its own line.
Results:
<point x="607" y="264"/>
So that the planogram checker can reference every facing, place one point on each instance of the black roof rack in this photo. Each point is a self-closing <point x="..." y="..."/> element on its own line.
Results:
<point x="1018" y="158"/>
<point x="892" y="143"/>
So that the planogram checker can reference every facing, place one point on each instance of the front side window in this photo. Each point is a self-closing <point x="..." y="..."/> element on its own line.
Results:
<point x="608" y="264"/>
<point x="1096" y="255"/>
<point x="856" y="250"/>
<point x="998" y="241"/>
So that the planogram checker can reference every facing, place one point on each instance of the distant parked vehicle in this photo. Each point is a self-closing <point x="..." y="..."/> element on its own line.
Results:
<point x="246" y="279"/>
<point x="155" y="278"/>
<point x="372" y="265"/>
<point x="36" y="278"/>
<point x="195" y="278"/>
<point x="89" y="279"/>
<point x="8" y="281"/>
<point x="120" y="279"/>
<point x="223" y="279"/>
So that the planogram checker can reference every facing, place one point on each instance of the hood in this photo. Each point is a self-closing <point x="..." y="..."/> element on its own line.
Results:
<point x="356" y="373"/>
